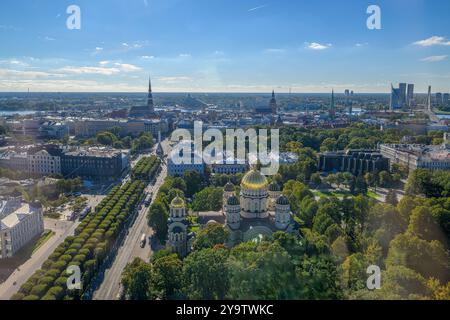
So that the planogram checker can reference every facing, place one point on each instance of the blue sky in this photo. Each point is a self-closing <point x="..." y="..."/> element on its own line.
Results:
<point x="224" y="45"/>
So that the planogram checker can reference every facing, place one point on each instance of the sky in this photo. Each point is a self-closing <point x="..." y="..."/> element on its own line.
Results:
<point x="223" y="46"/>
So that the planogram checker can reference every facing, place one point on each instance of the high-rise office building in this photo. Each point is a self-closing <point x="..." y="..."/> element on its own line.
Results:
<point x="402" y="94"/>
<point x="445" y="99"/>
<point x="410" y="95"/>
<point x="429" y="108"/>
<point x="395" y="98"/>
<point x="438" y="99"/>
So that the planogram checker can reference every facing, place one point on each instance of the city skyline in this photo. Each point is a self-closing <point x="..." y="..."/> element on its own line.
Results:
<point x="199" y="46"/>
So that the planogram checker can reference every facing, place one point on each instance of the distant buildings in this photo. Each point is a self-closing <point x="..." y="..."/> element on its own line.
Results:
<point x="94" y="163"/>
<point x="180" y="162"/>
<point x="402" y="96"/>
<point x="53" y="130"/>
<point x="417" y="156"/>
<point x="43" y="163"/>
<point x="85" y="162"/>
<point x="353" y="161"/>
<point x="18" y="225"/>
<point x="410" y="95"/>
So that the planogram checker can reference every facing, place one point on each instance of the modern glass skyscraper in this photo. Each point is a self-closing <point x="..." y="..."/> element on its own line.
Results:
<point x="395" y="98"/>
<point x="410" y="95"/>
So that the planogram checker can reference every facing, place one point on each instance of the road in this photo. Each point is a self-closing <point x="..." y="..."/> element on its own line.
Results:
<point x="62" y="230"/>
<point x="130" y="249"/>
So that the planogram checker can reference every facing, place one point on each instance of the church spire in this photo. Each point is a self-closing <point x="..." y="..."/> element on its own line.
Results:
<point x="150" y="96"/>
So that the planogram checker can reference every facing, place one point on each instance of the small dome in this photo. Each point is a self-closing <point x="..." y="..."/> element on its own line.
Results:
<point x="254" y="180"/>
<point x="233" y="201"/>
<point x="177" y="230"/>
<point x="229" y="187"/>
<point x="283" y="200"/>
<point x="274" y="186"/>
<point x="177" y="202"/>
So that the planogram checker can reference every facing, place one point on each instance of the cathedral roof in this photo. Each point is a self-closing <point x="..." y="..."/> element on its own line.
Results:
<point x="283" y="200"/>
<point x="233" y="201"/>
<point x="254" y="180"/>
<point x="177" y="202"/>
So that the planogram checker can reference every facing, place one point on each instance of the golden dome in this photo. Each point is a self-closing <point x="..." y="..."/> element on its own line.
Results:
<point x="254" y="180"/>
<point x="177" y="202"/>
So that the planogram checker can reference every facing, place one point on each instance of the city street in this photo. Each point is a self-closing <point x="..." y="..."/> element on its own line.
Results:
<point x="130" y="249"/>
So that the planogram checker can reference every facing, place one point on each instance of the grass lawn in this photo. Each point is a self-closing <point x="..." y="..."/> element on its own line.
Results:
<point x="329" y="193"/>
<point x="44" y="238"/>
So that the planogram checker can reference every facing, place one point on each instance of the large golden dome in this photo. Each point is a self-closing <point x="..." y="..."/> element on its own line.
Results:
<point x="254" y="180"/>
<point x="177" y="202"/>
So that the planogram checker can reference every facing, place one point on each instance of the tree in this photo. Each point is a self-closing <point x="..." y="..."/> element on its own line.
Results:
<point x="209" y="199"/>
<point x="106" y="138"/>
<point x="157" y="219"/>
<point x="391" y="197"/>
<point x="261" y="272"/>
<point x="136" y="280"/>
<point x="329" y="144"/>
<point x="206" y="274"/>
<point x="212" y="235"/>
<point x="316" y="180"/>
<point x="423" y="225"/>
<point x="430" y="259"/>
<point x="385" y="179"/>
<point x="360" y="185"/>
<point x="194" y="182"/>
<point x="168" y="278"/>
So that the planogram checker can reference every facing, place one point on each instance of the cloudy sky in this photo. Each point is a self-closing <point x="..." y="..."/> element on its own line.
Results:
<point x="223" y="45"/>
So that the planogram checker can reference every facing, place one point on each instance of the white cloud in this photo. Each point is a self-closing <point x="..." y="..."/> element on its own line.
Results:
<point x="147" y="57"/>
<point x="317" y="46"/>
<point x="434" y="58"/>
<point x="105" y="71"/>
<point x="361" y="44"/>
<point x="274" y="50"/>
<point x="184" y="55"/>
<point x="10" y="74"/>
<point x="47" y="38"/>
<point x="174" y="79"/>
<point x="433" y="41"/>
<point x="125" y="67"/>
<point x="14" y="62"/>
<point x="103" y="63"/>
<point x="89" y="70"/>
<point x="257" y="8"/>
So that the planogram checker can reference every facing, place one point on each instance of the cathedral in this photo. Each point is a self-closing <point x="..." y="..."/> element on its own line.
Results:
<point x="146" y="111"/>
<point x="259" y="211"/>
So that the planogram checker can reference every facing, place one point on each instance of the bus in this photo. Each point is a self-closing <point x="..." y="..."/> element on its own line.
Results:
<point x="85" y="212"/>
<point x="143" y="240"/>
<point x="148" y="199"/>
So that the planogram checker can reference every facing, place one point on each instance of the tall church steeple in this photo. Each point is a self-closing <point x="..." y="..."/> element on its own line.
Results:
<point x="332" y="110"/>
<point x="150" y="96"/>
<point x="273" y="103"/>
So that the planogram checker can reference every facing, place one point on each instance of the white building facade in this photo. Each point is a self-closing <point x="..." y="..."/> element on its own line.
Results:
<point x="19" y="227"/>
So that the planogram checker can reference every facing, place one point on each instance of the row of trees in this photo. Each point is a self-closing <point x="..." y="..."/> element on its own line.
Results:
<point x="114" y="138"/>
<point x="146" y="168"/>
<point x="87" y="249"/>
